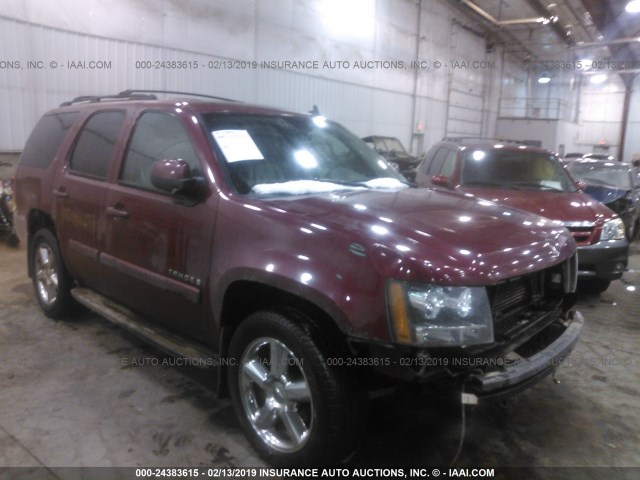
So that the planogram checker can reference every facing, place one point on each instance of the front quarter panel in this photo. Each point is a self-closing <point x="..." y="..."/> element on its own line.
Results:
<point x="301" y="256"/>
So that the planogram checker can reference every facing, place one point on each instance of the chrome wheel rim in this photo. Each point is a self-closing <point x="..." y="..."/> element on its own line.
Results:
<point x="46" y="274"/>
<point x="276" y="398"/>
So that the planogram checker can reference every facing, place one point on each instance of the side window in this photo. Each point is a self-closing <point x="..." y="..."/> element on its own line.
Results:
<point x="46" y="138"/>
<point x="436" y="165"/>
<point x="95" y="145"/>
<point x="449" y="164"/>
<point x="428" y="159"/>
<point x="156" y="136"/>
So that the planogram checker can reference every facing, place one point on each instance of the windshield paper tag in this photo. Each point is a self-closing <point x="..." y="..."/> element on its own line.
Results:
<point x="237" y="145"/>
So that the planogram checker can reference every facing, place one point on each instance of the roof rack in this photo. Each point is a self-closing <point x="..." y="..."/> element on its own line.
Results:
<point x="458" y="139"/>
<point x="138" y="95"/>
<point x="121" y="96"/>
<point x="531" y="143"/>
<point x="173" y="92"/>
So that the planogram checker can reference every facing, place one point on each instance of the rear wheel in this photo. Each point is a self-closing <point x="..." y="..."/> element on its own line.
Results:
<point x="51" y="281"/>
<point x="294" y="408"/>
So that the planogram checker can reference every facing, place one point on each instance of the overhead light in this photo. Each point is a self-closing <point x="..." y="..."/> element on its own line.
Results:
<point x="600" y="78"/>
<point x="544" y="78"/>
<point x="633" y="6"/>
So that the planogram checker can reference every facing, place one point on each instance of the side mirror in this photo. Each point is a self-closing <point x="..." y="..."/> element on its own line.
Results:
<point x="440" y="181"/>
<point x="580" y="185"/>
<point x="174" y="176"/>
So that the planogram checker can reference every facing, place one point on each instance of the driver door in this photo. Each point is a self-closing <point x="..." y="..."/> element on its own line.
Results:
<point x="157" y="247"/>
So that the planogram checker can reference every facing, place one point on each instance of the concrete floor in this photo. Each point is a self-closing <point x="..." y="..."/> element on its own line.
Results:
<point x="70" y="396"/>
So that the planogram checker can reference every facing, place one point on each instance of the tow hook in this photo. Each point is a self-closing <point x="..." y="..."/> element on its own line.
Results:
<point x="553" y="377"/>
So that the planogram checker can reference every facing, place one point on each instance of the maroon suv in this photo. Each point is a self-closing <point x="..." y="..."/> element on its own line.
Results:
<point x="535" y="180"/>
<point x="280" y="250"/>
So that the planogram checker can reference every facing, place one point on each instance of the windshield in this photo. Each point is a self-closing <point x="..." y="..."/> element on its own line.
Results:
<point x="609" y="176"/>
<point x="510" y="169"/>
<point x="268" y="155"/>
<point x="390" y="144"/>
<point x="599" y="156"/>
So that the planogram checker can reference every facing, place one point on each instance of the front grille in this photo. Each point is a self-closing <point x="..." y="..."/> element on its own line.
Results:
<point x="510" y="295"/>
<point x="512" y="300"/>
<point x="519" y="301"/>
<point x="585" y="235"/>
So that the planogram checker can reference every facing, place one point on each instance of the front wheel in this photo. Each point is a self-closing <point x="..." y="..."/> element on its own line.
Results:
<point x="51" y="281"/>
<point x="294" y="408"/>
<point x="634" y="231"/>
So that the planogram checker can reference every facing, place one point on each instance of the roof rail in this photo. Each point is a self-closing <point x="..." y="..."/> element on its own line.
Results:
<point x="458" y="139"/>
<point x="173" y="92"/>
<point x="531" y="143"/>
<point x="96" y="98"/>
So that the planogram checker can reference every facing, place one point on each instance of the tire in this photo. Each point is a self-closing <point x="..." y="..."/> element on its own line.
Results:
<point x="298" y="411"/>
<point x="629" y="233"/>
<point x="51" y="281"/>
<point x="595" y="285"/>
<point x="12" y="240"/>
<point x="635" y="231"/>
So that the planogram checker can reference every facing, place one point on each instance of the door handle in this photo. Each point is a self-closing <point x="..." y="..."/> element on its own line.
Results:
<point x="61" y="193"/>
<point x="117" y="212"/>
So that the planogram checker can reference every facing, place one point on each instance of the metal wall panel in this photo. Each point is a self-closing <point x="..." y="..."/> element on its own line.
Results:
<point x="31" y="92"/>
<point x="632" y="143"/>
<point x="372" y="101"/>
<point x="467" y="84"/>
<point x="601" y="109"/>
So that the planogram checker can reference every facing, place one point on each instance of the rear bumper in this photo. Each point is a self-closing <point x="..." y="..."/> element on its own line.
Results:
<point x="525" y="372"/>
<point x="603" y="259"/>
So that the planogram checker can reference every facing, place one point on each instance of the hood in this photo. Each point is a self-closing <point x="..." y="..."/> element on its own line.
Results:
<point x="561" y="206"/>
<point x="401" y="158"/>
<point x="436" y="236"/>
<point x="605" y="194"/>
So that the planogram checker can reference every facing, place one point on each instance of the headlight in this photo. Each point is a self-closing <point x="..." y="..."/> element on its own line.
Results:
<point x="439" y="316"/>
<point x="613" y="230"/>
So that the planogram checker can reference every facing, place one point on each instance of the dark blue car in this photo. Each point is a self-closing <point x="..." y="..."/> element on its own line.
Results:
<point x="616" y="185"/>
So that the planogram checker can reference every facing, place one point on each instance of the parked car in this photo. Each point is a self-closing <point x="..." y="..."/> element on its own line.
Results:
<point x="572" y="156"/>
<point x="394" y="152"/>
<point x="616" y="185"/>
<point x="599" y="156"/>
<point x="7" y="208"/>
<point x="532" y="179"/>
<point x="635" y="163"/>
<point x="279" y="249"/>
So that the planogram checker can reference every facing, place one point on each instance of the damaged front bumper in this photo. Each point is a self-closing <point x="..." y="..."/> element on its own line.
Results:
<point x="525" y="371"/>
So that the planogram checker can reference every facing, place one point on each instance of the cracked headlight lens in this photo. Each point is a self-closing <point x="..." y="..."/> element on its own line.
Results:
<point x="439" y="316"/>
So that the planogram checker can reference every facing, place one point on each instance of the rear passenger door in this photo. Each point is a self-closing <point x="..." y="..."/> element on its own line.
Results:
<point x="156" y="250"/>
<point x="79" y="191"/>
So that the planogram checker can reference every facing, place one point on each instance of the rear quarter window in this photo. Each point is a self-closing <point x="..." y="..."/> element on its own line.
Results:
<point x="46" y="138"/>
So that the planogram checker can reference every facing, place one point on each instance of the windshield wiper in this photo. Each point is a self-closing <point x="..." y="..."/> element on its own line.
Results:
<point x="342" y="182"/>
<point x="536" y="186"/>
<point x="487" y="183"/>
